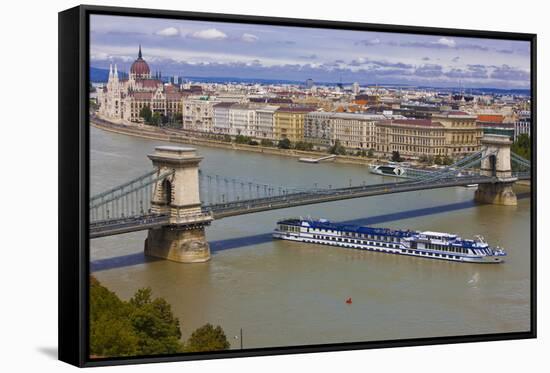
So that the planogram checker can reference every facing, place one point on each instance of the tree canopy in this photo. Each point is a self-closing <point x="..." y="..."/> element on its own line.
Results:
<point x="146" y="114"/>
<point x="142" y="326"/>
<point x="303" y="145"/>
<point x="284" y="144"/>
<point x="207" y="338"/>
<point x="337" y="148"/>
<point x="396" y="157"/>
<point x="522" y="146"/>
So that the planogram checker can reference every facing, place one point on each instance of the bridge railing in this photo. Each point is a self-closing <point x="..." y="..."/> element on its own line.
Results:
<point x="130" y="199"/>
<point x="518" y="159"/>
<point x="215" y="189"/>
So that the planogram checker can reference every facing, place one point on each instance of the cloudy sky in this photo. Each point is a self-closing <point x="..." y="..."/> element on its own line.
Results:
<point x="215" y="49"/>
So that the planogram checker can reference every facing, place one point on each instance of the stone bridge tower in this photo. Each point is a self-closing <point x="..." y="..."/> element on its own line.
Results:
<point x="499" y="166"/>
<point x="177" y="196"/>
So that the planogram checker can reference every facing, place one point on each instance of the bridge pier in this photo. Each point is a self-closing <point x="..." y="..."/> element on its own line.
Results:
<point x="182" y="245"/>
<point x="183" y="239"/>
<point x="499" y="166"/>
<point x="496" y="194"/>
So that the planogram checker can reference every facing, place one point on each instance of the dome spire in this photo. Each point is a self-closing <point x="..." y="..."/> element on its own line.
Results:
<point x="139" y="53"/>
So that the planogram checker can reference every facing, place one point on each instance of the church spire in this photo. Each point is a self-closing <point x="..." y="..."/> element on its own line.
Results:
<point x="139" y="53"/>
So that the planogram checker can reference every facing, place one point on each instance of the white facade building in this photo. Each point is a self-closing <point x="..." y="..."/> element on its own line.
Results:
<point x="265" y="124"/>
<point x="522" y="124"/>
<point x="242" y="120"/>
<point x="355" y="131"/>
<point x="355" y="88"/>
<point x="198" y="114"/>
<point x="318" y="129"/>
<point x="221" y="122"/>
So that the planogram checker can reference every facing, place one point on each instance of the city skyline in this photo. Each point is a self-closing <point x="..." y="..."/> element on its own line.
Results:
<point x="216" y="49"/>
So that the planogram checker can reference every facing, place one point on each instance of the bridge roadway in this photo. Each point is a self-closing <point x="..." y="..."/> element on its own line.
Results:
<point x="223" y="210"/>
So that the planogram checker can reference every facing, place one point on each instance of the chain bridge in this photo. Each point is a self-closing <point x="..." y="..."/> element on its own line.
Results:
<point x="175" y="200"/>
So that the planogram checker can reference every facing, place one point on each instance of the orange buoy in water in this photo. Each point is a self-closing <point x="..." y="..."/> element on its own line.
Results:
<point x="348" y="301"/>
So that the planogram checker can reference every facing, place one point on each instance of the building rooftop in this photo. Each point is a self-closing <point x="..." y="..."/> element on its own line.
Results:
<point x="294" y="109"/>
<point x="454" y="114"/>
<point x="490" y="118"/>
<point x="417" y="122"/>
<point x="224" y="104"/>
<point x="359" y="116"/>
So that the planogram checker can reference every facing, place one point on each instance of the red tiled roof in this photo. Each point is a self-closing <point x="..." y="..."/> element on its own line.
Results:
<point x="171" y="88"/>
<point x="497" y="118"/>
<point x="141" y="95"/>
<point x="173" y="96"/>
<point x="149" y="83"/>
<point x="140" y="67"/>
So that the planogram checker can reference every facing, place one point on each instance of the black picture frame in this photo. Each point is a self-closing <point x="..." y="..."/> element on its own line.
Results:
<point x="74" y="187"/>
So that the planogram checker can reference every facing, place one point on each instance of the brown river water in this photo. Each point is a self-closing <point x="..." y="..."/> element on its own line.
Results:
<point x="284" y="293"/>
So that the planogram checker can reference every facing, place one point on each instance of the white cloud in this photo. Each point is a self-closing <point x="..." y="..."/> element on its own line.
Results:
<point x="169" y="31"/>
<point x="99" y="56"/>
<point x="249" y="38"/>
<point x="446" y="42"/>
<point x="209" y="34"/>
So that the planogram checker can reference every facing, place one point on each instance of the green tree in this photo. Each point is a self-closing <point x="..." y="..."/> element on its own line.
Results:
<point x="446" y="160"/>
<point x="284" y="144"/>
<point x="93" y="105"/>
<point x="157" y="328"/>
<point x="266" y="142"/>
<point x="156" y="119"/>
<point x="337" y="148"/>
<point x="226" y="138"/>
<point x="178" y="119"/>
<point x="370" y="153"/>
<point x="207" y="338"/>
<point x="146" y="114"/>
<point x="396" y="157"/>
<point x="141" y="326"/>
<point x="303" y="145"/>
<point x="111" y="332"/>
<point x="242" y="139"/>
<point x="522" y="146"/>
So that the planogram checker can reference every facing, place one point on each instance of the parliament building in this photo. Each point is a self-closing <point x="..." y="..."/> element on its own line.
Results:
<point x="122" y="99"/>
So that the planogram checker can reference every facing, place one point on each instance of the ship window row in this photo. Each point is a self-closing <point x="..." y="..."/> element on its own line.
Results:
<point x="289" y="228"/>
<point x="432" y="246"/>
<point x="362" y="235"/>
<point x="349" y="240"/>
<point x="437" y="255"/>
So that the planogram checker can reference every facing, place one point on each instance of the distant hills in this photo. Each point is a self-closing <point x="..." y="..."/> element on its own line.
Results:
<point x="99" y="75"/>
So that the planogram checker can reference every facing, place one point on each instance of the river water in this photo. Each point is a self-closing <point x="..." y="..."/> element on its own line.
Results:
<point x="283" y="293"/>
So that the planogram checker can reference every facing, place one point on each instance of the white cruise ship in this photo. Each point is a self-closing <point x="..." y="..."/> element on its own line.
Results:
<point x="432" y="245"/>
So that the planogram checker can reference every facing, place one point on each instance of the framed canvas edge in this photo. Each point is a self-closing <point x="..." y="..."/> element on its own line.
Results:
<point x="73" y="288"/>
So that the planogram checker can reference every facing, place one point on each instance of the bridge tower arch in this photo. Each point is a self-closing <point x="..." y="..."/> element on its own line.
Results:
<point x="496" y="163"/>
<point x="177" y="196"/>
